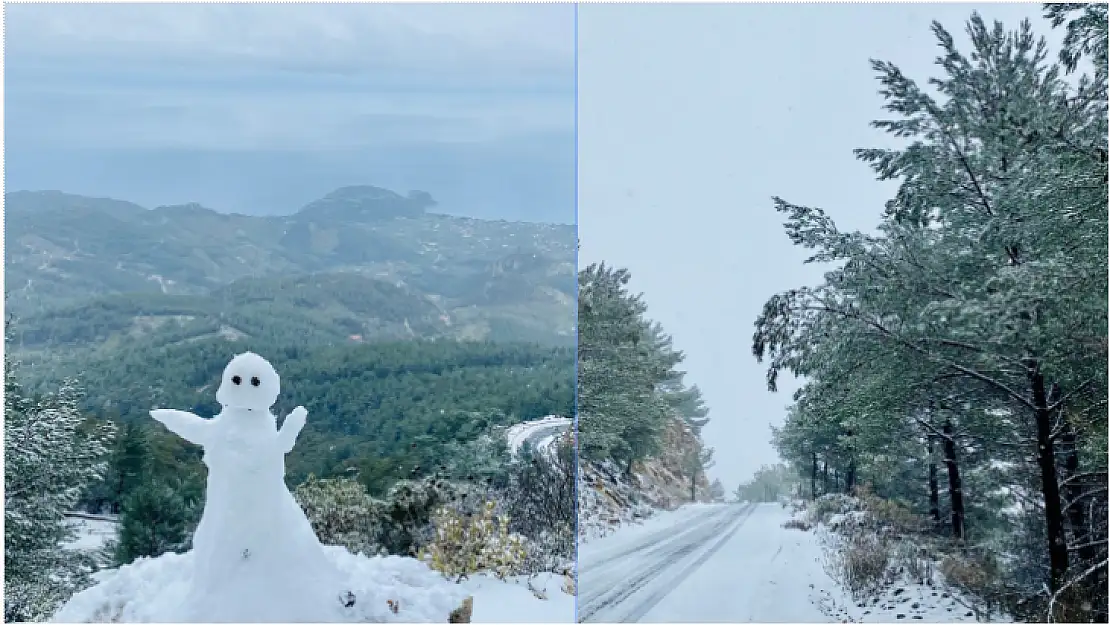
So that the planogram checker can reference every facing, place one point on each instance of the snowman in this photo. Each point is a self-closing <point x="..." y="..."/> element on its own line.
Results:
<point x="256" y="557"/>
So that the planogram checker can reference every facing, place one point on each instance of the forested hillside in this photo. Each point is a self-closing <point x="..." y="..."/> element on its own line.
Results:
<point x="955" y="360"/>
<point x="362" y="262"/>
<point x="634" y="407"/>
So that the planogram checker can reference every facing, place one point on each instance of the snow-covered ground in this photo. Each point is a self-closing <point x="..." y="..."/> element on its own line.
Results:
<point x="92" y="533"/>
<point x="732" y="563"/>
<point x="140" y="592"/>
<point x="539" y="433"/>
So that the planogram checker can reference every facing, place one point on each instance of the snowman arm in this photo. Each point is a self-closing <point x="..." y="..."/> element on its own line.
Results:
<point x="185" y="424"/>
<point x="291" y="428"/>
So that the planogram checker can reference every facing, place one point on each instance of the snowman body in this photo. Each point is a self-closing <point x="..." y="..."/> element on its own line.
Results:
<point x="256" y="556"/>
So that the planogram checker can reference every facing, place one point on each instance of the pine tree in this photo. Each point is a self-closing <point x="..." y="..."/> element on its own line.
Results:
<point x="51" y="454"/>
<point x="154" y="519"/>
<point x="965" y="341"/>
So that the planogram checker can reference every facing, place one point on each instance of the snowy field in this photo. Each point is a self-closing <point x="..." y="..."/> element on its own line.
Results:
<point x="733" y="563"/>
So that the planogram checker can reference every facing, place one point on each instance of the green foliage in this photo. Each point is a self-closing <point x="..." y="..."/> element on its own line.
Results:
<point x="50" y="454"/>
<point x="155" y="518"/>
<point x="342" y="513"/>
<point x="628" y="387"/>
<point x="965" y="341"/>
<point x="468" y="543"/>
<point x="92" y="273"/>
<point x="387" y="410"/>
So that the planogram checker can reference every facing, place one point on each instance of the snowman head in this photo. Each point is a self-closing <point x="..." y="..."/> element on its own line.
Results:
<point x="249" y="383"/>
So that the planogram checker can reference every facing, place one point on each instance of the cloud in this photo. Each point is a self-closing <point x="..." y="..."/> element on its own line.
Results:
<point x="344" y="38"/>
<point x="297" y="76"/>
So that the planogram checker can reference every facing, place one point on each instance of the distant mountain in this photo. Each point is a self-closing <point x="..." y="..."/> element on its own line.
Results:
<point x="528" y="178"/>
<point x="361" y="263"/>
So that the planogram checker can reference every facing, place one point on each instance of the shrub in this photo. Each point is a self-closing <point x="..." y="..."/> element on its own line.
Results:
<point x="887" y="515"/>
<point x="408" y="511"/>
<point x="466" y="544"/>
<point x="797" y="524"/>
<point x="977" y="576"/>
<point x="826" y="506"/>
<point x="540" y="501"/>
<point x="860" y="562"/>
<point x="342" y="513"/>
<point x="154" y="518"/>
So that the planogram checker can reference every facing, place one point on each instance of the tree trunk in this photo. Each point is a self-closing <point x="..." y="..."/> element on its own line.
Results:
<point x="934" y="489"/>
<point x="1050" y="485"/>
<point x="955" y="486"/>
<point x="824" y="477"/>
<point x="694" y="487"/>
<point x="850" y="477"/>
<point x="813" y="478"/>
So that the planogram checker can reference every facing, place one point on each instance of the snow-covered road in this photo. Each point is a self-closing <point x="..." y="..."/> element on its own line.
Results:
<point x="539" y="434"/>
<point x="628" y="576"/>
<point x="715" y="563"/>
<point x="706" y="563"/>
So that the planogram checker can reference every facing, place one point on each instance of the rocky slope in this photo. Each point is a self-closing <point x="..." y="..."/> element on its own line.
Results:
<point x="608" y="497"/>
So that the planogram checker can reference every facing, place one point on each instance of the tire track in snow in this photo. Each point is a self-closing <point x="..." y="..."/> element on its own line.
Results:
<point x="616" y="589"/>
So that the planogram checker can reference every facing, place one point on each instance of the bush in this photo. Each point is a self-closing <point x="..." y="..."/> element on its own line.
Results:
<point x="408" y="510"/>
<point x="978" y="577"/>
<point x="797" y="524"/>
<point x="887" y="515"/>
<point x="342" y="513"/>
<point x="826" y="506"/>
<point x="860" y="562"/>
<point x="154" y="518"/>
<point x="466" y="544"/>
<point x="540" y="501"/>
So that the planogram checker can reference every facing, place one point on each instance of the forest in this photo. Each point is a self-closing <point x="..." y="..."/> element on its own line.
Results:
<point x="954" y="359"/>
<point x="629" y="386"/>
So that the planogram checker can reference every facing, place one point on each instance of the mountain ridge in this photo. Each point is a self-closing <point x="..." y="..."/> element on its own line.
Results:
<point x="74" y="259"/>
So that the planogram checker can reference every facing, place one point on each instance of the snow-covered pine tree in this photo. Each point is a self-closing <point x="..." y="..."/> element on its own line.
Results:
<point x="51" y="453"/>
<point x="967" y="338"/>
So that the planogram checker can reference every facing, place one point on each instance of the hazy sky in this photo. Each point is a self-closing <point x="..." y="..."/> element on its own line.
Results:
<point x="387" y="94"/>
<point x="690" y="119"/>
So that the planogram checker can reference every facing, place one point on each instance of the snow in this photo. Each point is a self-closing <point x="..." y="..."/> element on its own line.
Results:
<point x="91" y="534"/>
<point x="151" y="589"/>
<point x="539" y="599"/>
<point x="734" y="563"/>
<point x="540" y="433"/>
<point x="256" y="557"/>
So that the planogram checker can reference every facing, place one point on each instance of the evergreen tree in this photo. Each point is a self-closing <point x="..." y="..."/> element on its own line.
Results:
<point x="960" y="352"/>
<point x="628" y="386"/>
<point x="154" y="519"/>
<point x="51" y="454"/>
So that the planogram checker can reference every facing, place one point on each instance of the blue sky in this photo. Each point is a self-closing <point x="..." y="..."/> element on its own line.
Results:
<point x="175" y="87"/>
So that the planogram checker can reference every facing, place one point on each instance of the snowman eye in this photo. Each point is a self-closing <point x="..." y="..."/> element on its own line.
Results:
<point x="255" y="381"/>
<point x="236" y="380"/>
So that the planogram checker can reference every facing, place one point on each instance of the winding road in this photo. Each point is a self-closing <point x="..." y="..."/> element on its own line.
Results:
<point x="538" y="434"/>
